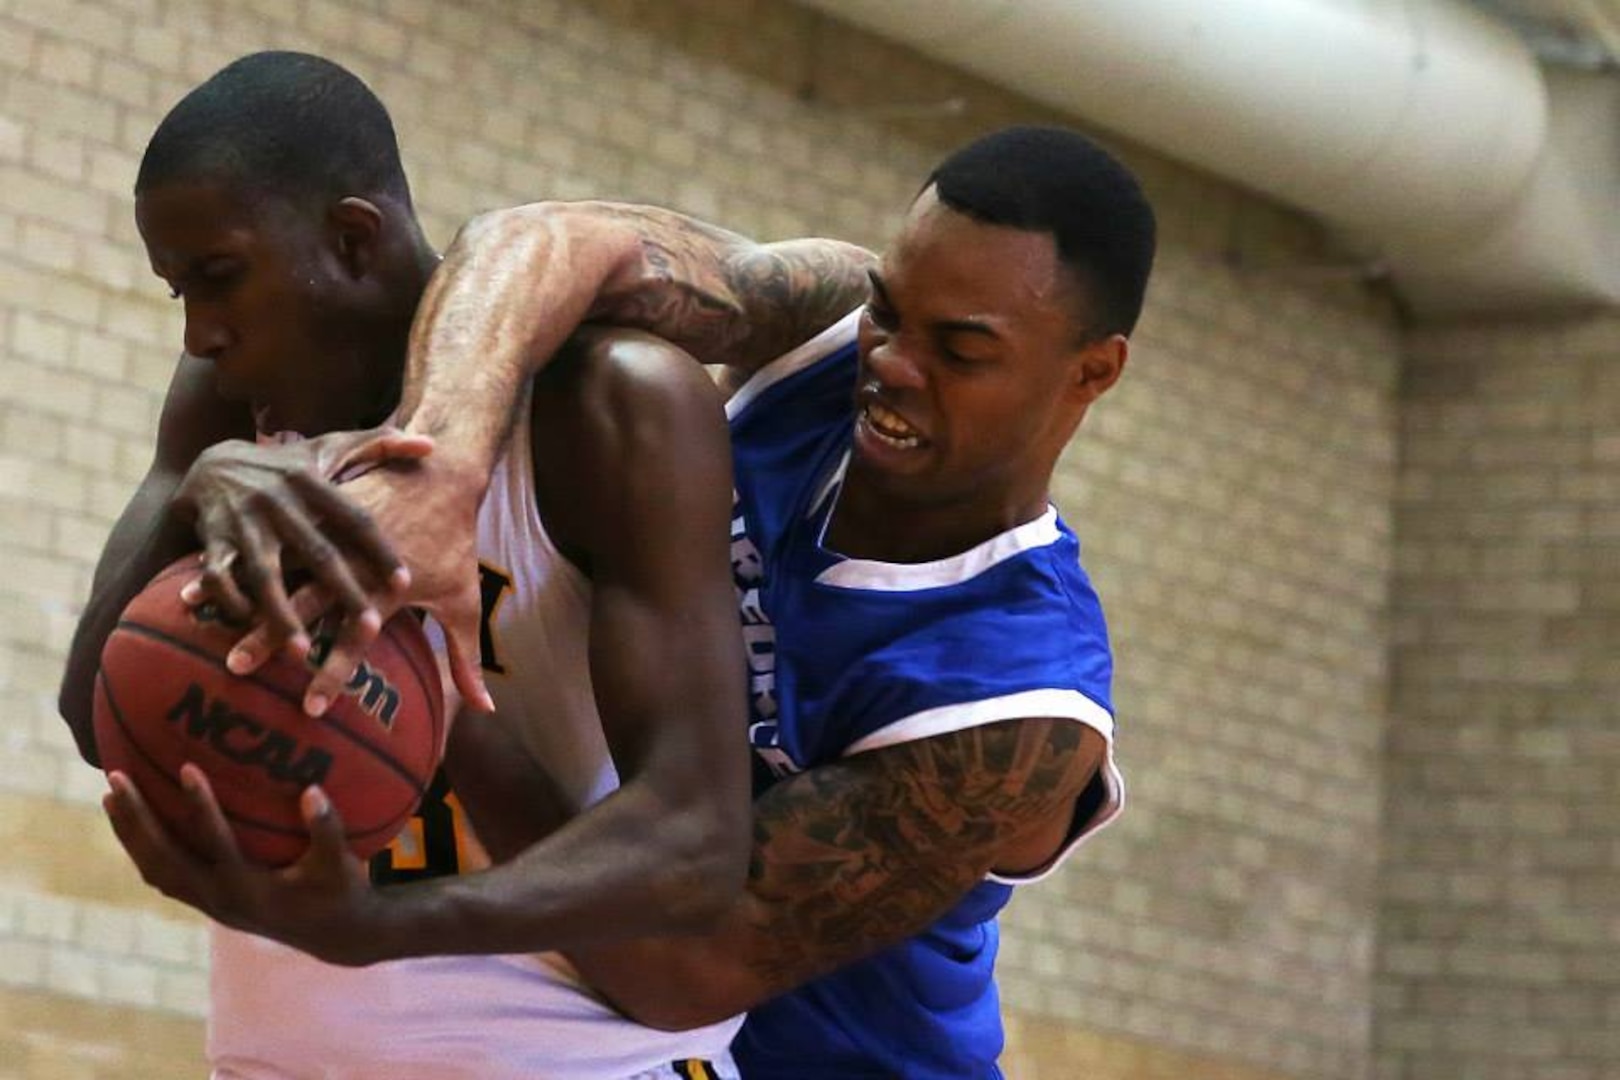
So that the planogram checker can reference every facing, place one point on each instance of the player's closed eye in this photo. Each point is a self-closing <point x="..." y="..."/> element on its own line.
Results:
<point x="881" y="317"/>
<point x="213" y="276"/>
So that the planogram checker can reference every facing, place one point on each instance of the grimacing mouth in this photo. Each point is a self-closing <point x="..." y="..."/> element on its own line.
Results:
<point x="889" y="426"/>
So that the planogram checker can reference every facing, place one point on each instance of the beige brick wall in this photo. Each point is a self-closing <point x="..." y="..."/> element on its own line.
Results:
<point x="1233" y="494"/>
<point x="1234" y="499"/>
<point x="1500" y="952"/>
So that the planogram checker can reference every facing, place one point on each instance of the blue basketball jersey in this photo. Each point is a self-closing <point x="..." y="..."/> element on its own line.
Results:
<point x="851" y="655"/>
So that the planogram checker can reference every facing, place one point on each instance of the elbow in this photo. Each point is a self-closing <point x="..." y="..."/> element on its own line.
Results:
<point x="687" y="1014"/>
<point x="487" y="233"/>
<point x="501" y="227"/>
<point x="587" y="236"/>
<point x="710" y="886"/>
<point x="488" y="224"/>
<point x="76" y="709"/>
<point x="708" y="868"/>
<point x="711" y="992"/>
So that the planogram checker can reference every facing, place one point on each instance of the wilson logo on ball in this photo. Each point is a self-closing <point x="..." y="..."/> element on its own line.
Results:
<point x="370" y="689"/>
<point x="246" y="741"/>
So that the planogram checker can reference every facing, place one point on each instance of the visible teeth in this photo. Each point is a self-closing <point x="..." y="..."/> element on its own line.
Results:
<point x="888" y="422"/>
<point x="890" y="427"/>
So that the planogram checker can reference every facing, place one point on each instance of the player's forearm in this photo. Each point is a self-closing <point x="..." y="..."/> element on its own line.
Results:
<point x="851" y="858"/>
<point x="635" y="864"/>
<point x="148" y="536"/>
<point x="512" y="287"/>
<point x="516" y="283"/>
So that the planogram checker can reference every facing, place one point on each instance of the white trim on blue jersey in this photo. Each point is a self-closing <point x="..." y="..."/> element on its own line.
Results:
<point x="910" y="577"/>
<point x="1061" y="704"/>
<point x="800" y="358"/>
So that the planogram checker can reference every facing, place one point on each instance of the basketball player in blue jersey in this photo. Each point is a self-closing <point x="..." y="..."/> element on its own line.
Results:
<point x="929" y="667"/>
<point x="273" y="203"/>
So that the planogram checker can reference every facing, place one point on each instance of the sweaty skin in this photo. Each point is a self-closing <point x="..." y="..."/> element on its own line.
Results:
<point x="856" y="855"/>
<point x="830" y="880"/>
<point x="663" y="853"/>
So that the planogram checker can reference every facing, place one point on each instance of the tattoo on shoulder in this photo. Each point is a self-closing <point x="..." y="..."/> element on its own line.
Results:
<point x="730" y="300"/>
<point x="852" y="857"/>
<point x="795" y="289"/>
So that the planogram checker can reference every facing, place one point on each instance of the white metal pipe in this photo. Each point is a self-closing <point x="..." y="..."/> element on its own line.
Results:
<point x="1410" y="117"/>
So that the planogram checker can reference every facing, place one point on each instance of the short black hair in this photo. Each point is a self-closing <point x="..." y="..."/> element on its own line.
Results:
<point x="1057" y="181"/>
<point x="283" y="123"/>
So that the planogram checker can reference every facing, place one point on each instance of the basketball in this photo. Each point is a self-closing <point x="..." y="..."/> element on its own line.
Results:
<point x="164" y="697"/>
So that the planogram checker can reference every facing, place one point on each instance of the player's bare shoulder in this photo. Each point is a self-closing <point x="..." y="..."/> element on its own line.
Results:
<point x="610" y="384"/>
<point x="617" y="415"/>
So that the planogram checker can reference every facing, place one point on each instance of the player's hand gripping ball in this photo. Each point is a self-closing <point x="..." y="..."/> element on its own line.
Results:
<point x="164" y="697"/>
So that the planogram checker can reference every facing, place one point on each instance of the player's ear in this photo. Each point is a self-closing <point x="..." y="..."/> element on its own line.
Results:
<point x="1098" y="365"/>
<point x="355" y="228"/>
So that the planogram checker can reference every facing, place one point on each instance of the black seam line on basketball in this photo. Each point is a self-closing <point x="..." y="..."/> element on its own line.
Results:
<point x="142" y="630"/>
<point x="427" y="688"/>
<point x="395" y="821"/>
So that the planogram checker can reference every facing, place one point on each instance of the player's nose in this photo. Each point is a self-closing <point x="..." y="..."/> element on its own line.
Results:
<point x="206" y="335"/>
<point x="894" y="365"/>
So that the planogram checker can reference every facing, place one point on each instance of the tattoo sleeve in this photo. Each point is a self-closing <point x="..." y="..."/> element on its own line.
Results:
<point x="516" y="283"/>
<point x="854" y="857"/>
<point x="727" y="299"/>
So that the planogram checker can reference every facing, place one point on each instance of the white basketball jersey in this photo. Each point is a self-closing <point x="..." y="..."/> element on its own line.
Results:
<point x="278" y="1013"/>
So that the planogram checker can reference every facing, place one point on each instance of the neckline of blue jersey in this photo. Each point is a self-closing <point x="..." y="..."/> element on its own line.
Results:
<point x="874" y="575"/>
<point x="838" y="335"/>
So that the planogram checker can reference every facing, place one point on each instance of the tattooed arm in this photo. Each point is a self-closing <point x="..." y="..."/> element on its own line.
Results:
<point x="516" y="282"/>
<point x="513" y="286"/>
<point x="853" y="857"/>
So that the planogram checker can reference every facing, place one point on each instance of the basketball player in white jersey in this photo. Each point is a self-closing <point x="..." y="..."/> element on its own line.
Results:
<point x="272" y="201"/>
